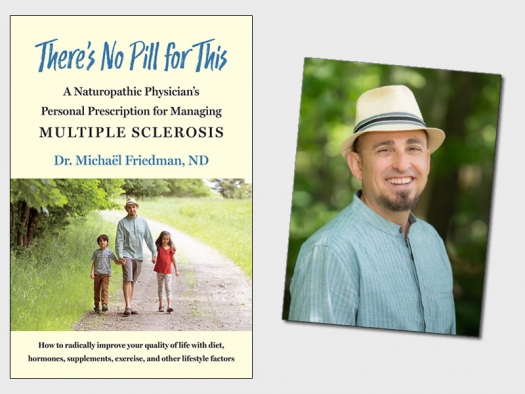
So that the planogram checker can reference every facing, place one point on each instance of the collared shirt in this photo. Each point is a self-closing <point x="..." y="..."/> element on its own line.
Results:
<point x="102" y="260"/>
<point x="131" y="232"/>
<point x="358" y="270"/>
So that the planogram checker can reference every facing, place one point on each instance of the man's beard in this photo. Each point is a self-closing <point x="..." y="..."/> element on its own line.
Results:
<point x="402" y="202"/>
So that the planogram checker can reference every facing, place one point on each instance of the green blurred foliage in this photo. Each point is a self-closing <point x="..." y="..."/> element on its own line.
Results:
<point x="188" y="188"/>
<point x="141" y="188"/>
<point x="236" y="188"/>
<point x="457" y="198"/>
<point x="38" y="206"/>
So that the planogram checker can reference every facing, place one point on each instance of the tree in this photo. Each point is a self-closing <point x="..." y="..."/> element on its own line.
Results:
<point x="188" y="188"/>
<point x="232" y="187"/>
<point x="166" y="187"/>
<point x="145" y="187"/>
<point x="59" y="200"/>
<point x="29" y="198"/>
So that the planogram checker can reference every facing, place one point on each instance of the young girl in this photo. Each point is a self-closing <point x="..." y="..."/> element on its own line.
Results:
<point x="165" y="257"/>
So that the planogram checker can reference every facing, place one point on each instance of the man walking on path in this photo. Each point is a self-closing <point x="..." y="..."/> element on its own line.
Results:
<point x="131" y="232"/>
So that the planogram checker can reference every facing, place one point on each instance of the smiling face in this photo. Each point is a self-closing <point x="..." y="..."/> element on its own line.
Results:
<point x="393" y="168"/>
<point x="103" y="241"/>
<point x="131" y="209"/>
<point x="103" y="244"/>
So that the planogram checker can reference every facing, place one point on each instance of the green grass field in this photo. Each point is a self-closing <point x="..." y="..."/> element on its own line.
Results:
<point x="51" y="285"/>
<point x="224" y="224"/>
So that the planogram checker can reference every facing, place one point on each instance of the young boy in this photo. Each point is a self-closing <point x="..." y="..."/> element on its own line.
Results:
<point x="101" y="271"/>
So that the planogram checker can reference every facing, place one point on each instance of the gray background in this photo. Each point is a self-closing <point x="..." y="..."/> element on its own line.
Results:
<point x="459" y="35"/>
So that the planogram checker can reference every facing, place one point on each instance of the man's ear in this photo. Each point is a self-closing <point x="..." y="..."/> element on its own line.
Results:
<point x="356" y="166"/>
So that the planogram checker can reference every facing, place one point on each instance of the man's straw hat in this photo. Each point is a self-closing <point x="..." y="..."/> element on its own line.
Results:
<point x="131" y="201"/>
<point x="390" y="108"/>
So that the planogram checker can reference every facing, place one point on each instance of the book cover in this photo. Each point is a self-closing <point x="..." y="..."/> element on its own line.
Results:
<point x="141" y="106"/>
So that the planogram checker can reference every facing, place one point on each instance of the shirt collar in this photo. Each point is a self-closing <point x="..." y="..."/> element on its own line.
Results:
<point x="378" y="221"/>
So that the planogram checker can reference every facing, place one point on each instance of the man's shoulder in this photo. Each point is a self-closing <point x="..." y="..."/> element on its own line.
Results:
<point x="341" y="227"/>
<point x="425" y="235"/>
<point x="129" y="219"/>
<point x="124" y="219"/>
<point x="426" y="228"/>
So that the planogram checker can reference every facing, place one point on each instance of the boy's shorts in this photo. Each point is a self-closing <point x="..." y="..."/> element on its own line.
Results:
<point x="131" y="270"/>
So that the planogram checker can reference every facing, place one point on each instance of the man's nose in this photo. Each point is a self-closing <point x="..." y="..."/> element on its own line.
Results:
<point x="401" y="161"/>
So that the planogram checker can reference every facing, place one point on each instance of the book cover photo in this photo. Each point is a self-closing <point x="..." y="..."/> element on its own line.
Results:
<point x="131" y="197"/>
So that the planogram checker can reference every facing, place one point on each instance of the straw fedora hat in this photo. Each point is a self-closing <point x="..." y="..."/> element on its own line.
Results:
<point x="131" y="201"/>
<point x="390" y="108"/>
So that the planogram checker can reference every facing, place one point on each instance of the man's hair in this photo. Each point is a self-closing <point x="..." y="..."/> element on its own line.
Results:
<point x="103" y="237"/>
<point x="355" y="146"/>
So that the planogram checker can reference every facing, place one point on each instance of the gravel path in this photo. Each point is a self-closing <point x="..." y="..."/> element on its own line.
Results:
<point x="211" y="293"/>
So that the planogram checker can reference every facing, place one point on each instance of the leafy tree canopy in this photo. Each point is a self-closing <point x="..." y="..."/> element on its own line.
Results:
<point x="48" y="204"/>
<point x="166" y="187"/>
<point x="232" y="187"/>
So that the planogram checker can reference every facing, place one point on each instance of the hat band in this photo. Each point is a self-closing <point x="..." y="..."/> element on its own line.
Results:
<point x="391" y="117"/>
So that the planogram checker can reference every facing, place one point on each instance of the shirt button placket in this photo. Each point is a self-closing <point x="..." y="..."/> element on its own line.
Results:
<point x="418" y="284"/>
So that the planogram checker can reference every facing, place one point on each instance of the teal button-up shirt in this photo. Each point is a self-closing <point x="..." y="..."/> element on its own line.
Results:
<point x="131" y="233"/>
<point x="358" y="270"/>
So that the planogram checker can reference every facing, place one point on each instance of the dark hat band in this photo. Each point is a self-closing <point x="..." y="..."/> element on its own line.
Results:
<point x="388" y="118"/>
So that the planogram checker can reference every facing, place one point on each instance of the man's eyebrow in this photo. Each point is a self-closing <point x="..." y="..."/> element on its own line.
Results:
<point x="380" y="143"/>
<point x="414" y="141"/>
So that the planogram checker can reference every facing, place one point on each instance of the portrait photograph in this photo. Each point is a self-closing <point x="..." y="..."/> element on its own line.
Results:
<point x="392" y="192"/>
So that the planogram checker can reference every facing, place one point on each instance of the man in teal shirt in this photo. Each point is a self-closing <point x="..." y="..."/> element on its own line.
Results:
<point x="375" y="264"/>
<point x="131" y="232"/>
